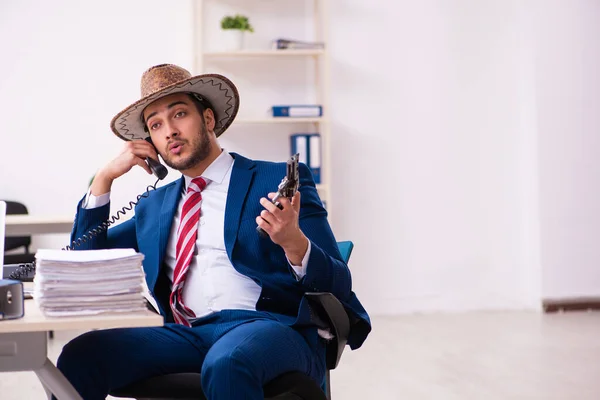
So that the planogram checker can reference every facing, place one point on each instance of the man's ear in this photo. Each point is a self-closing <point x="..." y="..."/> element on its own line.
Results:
<point x="209" y="118"/>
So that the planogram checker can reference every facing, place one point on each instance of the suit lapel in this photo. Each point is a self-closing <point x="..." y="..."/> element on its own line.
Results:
<point x="241" y="178"/>
<point x="167" y="212"/>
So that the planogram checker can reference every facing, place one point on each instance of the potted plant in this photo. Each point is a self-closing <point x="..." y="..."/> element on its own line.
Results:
<point x="234" y="28"/>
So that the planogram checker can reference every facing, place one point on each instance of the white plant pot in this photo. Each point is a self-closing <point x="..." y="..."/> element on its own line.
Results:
<point x="232" y="39"/>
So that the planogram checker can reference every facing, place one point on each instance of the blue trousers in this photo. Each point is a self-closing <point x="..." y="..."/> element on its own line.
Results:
<point x="235" y="351"/>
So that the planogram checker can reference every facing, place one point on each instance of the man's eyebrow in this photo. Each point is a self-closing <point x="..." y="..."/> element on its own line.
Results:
<point x="175" y="103"/>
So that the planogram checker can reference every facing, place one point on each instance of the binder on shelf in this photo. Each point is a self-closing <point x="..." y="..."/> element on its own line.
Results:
<point x="281" y="44"/>
<point x="308" y="145"/>
<point x="298" y="111"/>
<point x="314" y="156"/>
<point x="299" y="145"/>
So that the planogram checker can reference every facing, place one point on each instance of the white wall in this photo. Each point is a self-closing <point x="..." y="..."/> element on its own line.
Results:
<point x="432" y="107"/>
<point x="437" y="110"/>
<point x="568" y="98"/>
<point x="66" y="70"/>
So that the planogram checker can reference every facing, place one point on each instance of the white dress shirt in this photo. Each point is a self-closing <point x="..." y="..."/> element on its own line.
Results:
<point x="212" y="283"/>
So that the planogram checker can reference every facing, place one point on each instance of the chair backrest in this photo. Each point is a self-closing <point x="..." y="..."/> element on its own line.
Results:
<point x="345" y="248"/>
<point x="15" y="208"/>
<point x="14" y="242"/>
<point x="332" y="312"/>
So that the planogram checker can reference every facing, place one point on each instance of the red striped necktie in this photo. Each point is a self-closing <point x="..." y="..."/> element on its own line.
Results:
<point x="187" y="234"/>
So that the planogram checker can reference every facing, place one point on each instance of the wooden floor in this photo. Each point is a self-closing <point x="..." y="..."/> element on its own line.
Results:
<point x="479" y="356"/>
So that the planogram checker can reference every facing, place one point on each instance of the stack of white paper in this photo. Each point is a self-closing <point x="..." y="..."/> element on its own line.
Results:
<point x="89" y="282"/>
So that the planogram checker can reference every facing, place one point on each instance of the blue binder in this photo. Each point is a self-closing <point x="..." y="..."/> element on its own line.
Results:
<point x="308" y="145"/>
<point x="299" y="144"/>
<point x="314" y="156"/>
<point x="298" y="111"/>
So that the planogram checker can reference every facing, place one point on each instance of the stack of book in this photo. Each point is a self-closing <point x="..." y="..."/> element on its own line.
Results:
<point x="89" y="282"/>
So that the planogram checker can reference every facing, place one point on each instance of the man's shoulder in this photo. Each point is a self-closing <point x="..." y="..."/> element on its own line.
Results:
<point x="264" y="165"/>
<point x="260" y="166"/>
<point x="168" y="185"/>
<point x="155" y="194"/>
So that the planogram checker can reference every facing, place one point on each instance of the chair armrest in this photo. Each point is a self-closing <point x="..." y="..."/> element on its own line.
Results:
<point x="332" y="312"/>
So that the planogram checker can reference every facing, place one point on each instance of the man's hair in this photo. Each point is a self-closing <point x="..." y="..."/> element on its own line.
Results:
<point x="200" y="102"/>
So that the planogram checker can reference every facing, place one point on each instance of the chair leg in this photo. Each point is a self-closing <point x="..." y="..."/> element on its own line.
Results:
<point x="328" y="379"/>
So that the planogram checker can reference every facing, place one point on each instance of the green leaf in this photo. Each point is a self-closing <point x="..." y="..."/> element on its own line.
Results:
<point x="237" y="21"/>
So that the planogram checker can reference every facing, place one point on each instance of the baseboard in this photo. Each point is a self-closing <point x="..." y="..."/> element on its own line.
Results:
<point x="571" y="304"/>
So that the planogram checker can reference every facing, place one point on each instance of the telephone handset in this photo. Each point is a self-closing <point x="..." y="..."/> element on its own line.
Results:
<point x="158" y="170"/>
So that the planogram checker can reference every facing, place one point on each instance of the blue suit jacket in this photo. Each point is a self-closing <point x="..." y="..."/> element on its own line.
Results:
<point x="256" y="257"/>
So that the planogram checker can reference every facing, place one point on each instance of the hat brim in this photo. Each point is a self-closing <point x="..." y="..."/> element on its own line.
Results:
<point x="217" y="89"/>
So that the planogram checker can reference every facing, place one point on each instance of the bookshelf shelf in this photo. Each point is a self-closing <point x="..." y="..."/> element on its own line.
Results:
<point x="282" y="120"/>
<point x="264" y="53"/>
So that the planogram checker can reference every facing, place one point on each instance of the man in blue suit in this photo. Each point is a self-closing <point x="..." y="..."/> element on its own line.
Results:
<point x="232" y="299"/>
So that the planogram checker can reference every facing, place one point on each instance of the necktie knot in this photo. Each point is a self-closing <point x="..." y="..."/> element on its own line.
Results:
<point x="197" y="185"/>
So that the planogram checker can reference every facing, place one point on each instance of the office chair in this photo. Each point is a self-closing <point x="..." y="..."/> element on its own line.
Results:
<point x="14" y="242"/>
<point x="289" y="386"/>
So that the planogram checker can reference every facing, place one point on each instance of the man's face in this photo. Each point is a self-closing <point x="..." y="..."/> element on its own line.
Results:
<point x="178" y="131"/>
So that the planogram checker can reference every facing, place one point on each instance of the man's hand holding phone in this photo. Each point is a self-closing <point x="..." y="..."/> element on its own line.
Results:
<point x="134" y="153"/>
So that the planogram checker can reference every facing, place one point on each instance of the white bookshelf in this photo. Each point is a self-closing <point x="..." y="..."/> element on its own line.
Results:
<point x="315" y="21"/>
<point x="279" y="120"/>
<point x="263" y="53"/>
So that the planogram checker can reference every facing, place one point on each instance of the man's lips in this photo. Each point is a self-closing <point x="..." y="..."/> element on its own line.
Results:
<point x="175" y="148"/>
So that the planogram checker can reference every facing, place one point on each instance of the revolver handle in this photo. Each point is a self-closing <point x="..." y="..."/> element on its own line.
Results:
<point x="260" y="230"/>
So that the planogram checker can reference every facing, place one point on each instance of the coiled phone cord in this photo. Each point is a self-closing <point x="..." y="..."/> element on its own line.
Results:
<point x="24" y="269"/>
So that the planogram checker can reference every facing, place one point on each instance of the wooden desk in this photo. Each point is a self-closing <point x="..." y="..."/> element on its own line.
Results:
<point x="31" y="225"/>
<point x="23" y="342"/>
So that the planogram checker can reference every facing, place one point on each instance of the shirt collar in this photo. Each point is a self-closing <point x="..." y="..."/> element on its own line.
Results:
<point x="216" y="171"/>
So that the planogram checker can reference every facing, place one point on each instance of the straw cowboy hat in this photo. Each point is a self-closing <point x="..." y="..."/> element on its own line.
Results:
<point x="162" y="80"/>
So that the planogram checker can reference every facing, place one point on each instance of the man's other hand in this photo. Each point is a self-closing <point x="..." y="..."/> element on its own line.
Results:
<point x="282" y="226"/>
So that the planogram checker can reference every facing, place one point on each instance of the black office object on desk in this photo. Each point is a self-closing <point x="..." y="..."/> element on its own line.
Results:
<point x="11" y="299"/>
<point x="25" y="277"/>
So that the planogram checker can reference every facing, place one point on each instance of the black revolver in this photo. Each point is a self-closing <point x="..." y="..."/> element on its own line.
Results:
<point x="287" y="188"/>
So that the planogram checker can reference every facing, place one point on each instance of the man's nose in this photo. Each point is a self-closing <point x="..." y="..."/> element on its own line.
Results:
<point x="173" y="131"/>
